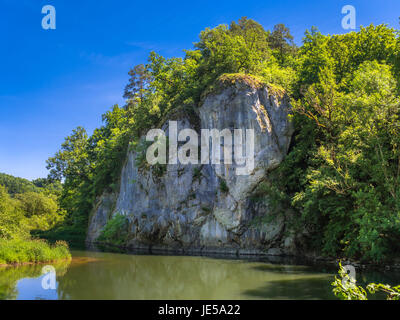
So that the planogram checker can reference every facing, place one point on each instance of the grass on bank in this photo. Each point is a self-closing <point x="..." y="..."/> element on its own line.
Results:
<point x="17" y="251"/>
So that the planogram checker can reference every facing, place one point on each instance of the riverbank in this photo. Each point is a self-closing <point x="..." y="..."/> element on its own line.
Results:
<point x="18" y="252"/>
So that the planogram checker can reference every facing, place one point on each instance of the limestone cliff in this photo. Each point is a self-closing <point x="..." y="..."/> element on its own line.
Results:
<point x="185" y="207"/>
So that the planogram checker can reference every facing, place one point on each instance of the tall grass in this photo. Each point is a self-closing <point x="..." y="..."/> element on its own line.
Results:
<point x="18" y="251"/>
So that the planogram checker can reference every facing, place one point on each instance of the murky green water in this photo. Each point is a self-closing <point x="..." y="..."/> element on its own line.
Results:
<point x="97" y="275"/>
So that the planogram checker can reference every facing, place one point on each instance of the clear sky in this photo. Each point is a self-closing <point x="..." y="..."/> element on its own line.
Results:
<point x="55" y="80"/>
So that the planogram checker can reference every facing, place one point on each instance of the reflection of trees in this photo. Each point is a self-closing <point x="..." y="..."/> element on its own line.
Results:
<point x="9" y="276"/>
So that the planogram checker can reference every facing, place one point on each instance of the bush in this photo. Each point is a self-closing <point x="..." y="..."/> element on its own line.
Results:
<point x="23" y="251"/>
<point x="345" y="288"/>
<point x="223" y="187"/>
<point x="115" y="231"/>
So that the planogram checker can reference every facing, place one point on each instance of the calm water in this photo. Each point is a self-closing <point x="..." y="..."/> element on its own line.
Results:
<point x="98" y="275"/>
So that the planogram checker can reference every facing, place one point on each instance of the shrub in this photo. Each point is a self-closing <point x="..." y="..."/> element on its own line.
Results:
<point x="223" y="186"/>
<point x="23" y="251"/>
<point x="345" y="288"/>
<point x="115" y="231"/>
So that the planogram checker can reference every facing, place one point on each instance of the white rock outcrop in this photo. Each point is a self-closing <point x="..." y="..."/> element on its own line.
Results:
<point x="185" y="208"/>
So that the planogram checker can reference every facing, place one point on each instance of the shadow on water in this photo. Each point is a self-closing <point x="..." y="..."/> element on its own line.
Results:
<point x="291" y="281"/>
<point x="314" y="282"/>
<point x="297" y="289"/>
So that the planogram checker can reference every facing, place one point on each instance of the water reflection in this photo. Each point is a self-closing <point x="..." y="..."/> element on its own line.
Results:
<point x="25" y="282"/>
<point x="96" y="275"/>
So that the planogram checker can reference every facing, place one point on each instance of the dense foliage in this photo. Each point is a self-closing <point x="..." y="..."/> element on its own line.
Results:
<point x="28" y="207"/>
<point x="16" y="185"/>
<point x="115" y="231"/>
<point x="341" y="177"/>
<point x="18" y="251"/>
<point x="20" y="213"/>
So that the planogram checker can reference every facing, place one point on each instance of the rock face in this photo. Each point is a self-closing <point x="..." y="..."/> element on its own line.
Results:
<point x="207" y="207"/>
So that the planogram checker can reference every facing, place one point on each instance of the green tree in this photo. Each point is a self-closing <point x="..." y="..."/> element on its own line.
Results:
<point x="42" y="212"/>
<point x="16" y="185"/>
<point x="281" y="41"/>
<point x="138" y="83"/>
<point x="12" y="222"/>
<point x="238" y="48"/>
<point x="72" y="165"/>
<point x="350" y="187"/>
<point x="71" y="162"/>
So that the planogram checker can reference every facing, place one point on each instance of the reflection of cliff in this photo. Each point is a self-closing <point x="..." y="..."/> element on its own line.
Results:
<point x="9" y="276"/>
<point x="144" y="277"/>
<point x="168" y="277"/>
<point x="185" y="205"/>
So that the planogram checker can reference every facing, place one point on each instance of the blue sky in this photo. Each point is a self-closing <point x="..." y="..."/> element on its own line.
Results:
<point x="55" y="80"/>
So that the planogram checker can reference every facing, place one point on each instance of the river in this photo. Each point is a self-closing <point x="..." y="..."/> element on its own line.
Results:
<point x="100" y="275"/>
